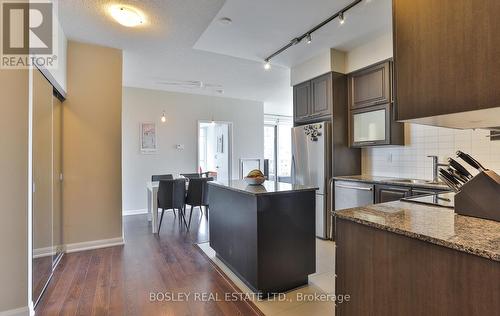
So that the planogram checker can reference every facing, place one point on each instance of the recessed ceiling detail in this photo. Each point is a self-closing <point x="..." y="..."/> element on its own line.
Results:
<point x="261" y="26"/>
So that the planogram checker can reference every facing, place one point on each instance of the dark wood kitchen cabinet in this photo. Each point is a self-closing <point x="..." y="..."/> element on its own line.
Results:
<point x="384" y="194"/>
<point x="321" y="95"/>
<point x="446" y="57"/>
<point x="372" y="109"/>
<point x="301" y="101"/>
<point x="391" y="274"/>
<point x="313" y="99"/>
<point x="370" y="86"/>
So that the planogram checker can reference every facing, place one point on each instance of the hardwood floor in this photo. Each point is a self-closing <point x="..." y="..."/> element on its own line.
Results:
<point x="119" y="280"/>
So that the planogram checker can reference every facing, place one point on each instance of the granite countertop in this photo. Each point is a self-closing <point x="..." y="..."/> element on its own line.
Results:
<point x="393" y="181"/>
<point x="268" y="187"/>
<point x="437" y="225"/>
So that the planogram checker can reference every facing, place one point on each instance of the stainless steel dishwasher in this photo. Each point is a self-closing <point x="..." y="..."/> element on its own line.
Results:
<point x="353" y="194"/>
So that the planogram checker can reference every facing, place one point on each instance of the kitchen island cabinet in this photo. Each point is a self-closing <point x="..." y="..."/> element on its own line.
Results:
<point x="265" y="234"/>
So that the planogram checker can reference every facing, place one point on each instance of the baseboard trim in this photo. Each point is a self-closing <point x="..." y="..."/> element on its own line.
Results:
<point x="22" y="311"/>
<point x="135" y="212"/>
<point x="43" y="252"/>
<point x="95" y="244"/>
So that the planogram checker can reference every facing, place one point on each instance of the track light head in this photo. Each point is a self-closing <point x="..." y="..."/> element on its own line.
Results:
<point x="308" y="39"/>
<point x="267" y="65"/>
<point x="341" y="18"/>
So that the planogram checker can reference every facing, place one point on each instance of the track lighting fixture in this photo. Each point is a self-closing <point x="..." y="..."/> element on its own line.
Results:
<point x="267" y="65"/>
<point x="308" y="35"/>
<point x="341" y="18"/>
<point x="163" y="117"/>
<point x="308" y="39"/>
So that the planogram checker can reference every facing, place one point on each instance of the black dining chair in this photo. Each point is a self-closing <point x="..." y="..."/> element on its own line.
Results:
<point x="191" y="175"/>
<point x="158" y="177"/>
<point x="197" y="195"/>
<point x="172" y="196"/>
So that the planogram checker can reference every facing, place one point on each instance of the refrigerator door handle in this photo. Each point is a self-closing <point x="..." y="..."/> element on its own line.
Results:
<point x="330" y="212"/>
<point x="292" y="171"/>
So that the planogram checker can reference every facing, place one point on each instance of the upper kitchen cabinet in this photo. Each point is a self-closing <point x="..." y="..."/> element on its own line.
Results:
<point x="372" y="111"/>
<point x="447" y="62"/>
<point x="321" y="95"/>
<point x="371" y="86"/>
<point x="313" y="99"/>
<point x="301" y="101"/>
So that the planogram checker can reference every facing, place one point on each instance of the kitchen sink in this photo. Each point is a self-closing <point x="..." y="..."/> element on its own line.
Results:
<point x="418" y="181"/>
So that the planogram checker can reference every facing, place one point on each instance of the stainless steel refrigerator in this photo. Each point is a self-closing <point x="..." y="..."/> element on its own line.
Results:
<point x="311" y="165"/>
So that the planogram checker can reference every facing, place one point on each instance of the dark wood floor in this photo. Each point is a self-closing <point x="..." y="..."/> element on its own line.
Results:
<point x="119" y="280"/>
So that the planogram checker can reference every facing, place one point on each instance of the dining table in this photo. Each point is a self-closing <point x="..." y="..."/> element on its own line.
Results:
<point x="152" y="191"/>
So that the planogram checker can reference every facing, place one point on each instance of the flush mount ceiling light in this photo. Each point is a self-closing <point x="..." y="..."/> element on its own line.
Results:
<point x="308" y="35"/>
<point x="126" y="15"/>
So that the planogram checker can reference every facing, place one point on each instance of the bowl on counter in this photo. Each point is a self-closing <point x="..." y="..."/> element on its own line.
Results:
<point x="254" y="180"/>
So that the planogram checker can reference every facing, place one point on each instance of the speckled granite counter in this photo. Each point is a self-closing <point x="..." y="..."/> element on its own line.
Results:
<point x="392" y="181"/>
<point x="268" y="187"/>
<point x="436" y="225"/>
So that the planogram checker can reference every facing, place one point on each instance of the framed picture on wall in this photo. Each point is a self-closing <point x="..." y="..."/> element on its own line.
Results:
<point x="148" y="137"/>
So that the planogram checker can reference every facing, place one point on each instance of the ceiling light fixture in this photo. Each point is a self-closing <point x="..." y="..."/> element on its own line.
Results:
<point x="309" y="39"/>
<point x="267" y="65"/>
<point x="126" y="16"/>
<point x="163" y="117"/>
<point x="341" y="18"/>
<point x="308" y="34"/>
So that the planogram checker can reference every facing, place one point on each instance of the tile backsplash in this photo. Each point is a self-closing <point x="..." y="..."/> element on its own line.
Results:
<point x="411" y="161"/>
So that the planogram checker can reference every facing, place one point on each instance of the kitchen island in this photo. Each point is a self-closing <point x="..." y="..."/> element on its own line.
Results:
<point x="265" y="234"/>
<point x="402" y="258"/>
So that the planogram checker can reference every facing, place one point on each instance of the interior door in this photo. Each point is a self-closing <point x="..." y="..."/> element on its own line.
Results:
<point x="222" y="151"/>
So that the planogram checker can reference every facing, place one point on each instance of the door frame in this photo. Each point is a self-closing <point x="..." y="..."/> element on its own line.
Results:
<point x="229" y="144"/>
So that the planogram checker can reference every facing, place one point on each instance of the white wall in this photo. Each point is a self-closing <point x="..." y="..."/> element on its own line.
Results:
<point x="59" y="73"/>
<point x="326" y="61"/>
<point x="410" y="161"/>
<point x="378" y="49"/>
<point x="183" y="112"/>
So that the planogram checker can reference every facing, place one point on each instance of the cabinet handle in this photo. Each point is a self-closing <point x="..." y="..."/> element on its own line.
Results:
<point x="354" y="188"/>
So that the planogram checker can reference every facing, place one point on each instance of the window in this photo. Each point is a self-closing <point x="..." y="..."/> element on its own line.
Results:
<point x="278" y="147"/>
<point x="270" y="142"/>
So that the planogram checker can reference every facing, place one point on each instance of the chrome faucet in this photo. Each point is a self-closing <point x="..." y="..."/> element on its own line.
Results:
<point x="435" y="167"/>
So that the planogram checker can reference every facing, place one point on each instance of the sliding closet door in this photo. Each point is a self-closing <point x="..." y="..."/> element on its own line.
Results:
<point x="42" y="183"/>
<point x="57" y="180"/>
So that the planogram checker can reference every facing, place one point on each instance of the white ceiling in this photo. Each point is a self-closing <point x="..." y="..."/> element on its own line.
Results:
<point x="182" y="40"/>
<point x="260" y="27"/>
